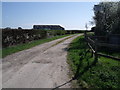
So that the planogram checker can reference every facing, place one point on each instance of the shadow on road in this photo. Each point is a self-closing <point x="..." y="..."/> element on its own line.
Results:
<point x="80" y="69"/>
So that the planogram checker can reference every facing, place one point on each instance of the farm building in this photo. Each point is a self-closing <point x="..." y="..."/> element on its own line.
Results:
<point x="48" y="27"/>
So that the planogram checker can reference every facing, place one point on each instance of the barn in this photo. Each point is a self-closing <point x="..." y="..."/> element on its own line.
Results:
<point x="48" y="27"/>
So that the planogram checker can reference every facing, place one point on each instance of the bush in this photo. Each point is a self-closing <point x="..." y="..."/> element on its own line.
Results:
<point x="15" y="36"/>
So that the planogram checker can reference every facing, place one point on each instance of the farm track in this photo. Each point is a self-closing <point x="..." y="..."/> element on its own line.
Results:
<point x="43" y="66"/>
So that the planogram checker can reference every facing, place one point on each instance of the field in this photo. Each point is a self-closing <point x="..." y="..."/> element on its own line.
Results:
<point x="105" y="74"/>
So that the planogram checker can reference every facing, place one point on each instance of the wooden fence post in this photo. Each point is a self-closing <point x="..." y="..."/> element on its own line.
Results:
<point x="96" y="50"/>
<point x="92" y="53"/>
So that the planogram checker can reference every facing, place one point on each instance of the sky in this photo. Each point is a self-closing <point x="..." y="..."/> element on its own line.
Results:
<point x="70" y="15"/>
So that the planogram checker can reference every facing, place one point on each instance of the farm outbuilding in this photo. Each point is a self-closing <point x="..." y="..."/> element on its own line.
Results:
<point x="48" y="27"/>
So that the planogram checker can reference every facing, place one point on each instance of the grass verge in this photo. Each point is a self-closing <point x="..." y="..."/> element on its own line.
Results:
<point x="105" y="74"/>
<point x="13" y="49"/>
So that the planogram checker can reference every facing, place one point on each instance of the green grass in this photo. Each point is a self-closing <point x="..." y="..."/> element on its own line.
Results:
<point x="105" y="74"/>
<point x="13" y="49"/>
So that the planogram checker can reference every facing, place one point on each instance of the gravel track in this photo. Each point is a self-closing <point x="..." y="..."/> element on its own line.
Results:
<point x="43" y="66"/>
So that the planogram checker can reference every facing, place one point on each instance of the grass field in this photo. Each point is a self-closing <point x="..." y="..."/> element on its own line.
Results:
<point x="105" y="74"/>
<point x="13" y="49"/>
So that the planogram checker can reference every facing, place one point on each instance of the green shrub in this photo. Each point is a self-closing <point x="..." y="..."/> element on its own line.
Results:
<point x="16" y="36"/>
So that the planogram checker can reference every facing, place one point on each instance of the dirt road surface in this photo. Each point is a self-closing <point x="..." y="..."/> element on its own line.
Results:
<point x="43" y="66"/>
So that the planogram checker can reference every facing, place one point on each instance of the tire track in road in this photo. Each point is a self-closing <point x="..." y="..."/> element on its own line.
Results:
<point x="44" y="68"/>
<point x="12" y="63"/>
